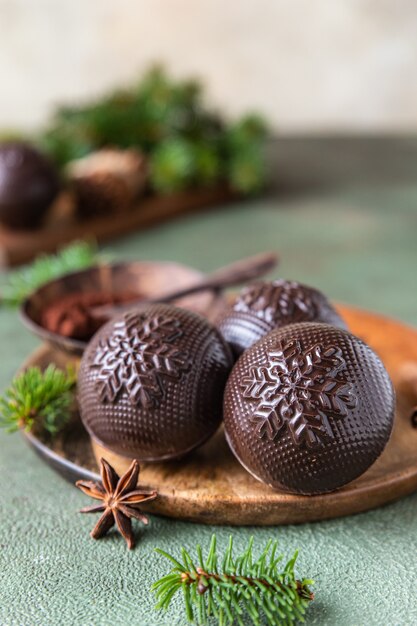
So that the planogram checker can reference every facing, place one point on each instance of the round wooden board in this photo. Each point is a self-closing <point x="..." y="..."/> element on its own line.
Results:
<point x="210" y="486"/>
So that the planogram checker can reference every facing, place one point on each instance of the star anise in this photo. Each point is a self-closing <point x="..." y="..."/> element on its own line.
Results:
<point x="120" y="498"/>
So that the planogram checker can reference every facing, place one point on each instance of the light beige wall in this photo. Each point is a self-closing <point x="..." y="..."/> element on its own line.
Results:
<point x="307" y="64"/>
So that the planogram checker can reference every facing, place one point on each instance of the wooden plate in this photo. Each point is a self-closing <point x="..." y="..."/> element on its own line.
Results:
<point x="18" y="247"/>
<point x="210" y="486"/>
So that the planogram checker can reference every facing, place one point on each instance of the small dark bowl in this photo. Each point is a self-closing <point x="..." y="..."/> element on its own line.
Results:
<point x="148" y="279"/>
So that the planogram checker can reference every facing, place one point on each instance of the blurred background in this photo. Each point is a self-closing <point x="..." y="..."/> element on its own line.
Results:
<point x="332" y="81"/>
<point x="324" y="66"/>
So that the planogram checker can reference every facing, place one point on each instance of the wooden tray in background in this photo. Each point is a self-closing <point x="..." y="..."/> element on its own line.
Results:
<point x="18" y="247"/>
<point x="210" y="486"/>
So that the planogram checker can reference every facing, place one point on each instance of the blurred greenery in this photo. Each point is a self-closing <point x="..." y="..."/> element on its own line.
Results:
<point x="22" y="282"/>
<point x="187" y="144"/>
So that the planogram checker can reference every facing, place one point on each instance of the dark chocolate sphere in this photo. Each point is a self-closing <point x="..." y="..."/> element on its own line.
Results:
<point x="308" y="408"/>
<point x="28" y="185"/>
<point x="151" y="382"/>
<point x="264" y="306"/>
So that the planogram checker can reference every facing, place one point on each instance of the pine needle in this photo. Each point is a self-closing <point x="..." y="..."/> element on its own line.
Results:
<point x="20" y="283"/>
<point x="243" y="588"/>
<point x="38" y="398"/>
<point x="187" y="143"/>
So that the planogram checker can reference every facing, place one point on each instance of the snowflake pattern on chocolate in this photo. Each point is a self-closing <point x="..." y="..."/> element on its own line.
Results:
<point x="137" y="357"/>
<point x="278" y="300"/>
<point x="298" y="391"/>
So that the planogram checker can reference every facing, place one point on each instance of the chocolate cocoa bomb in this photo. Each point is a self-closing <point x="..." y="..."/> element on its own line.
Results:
<point x="263" y="306"/>
<point x="28" y="185"/>
<point x="151" y="382"/>
<point x="308" y="408"/>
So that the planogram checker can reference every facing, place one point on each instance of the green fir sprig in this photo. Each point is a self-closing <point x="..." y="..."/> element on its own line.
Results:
<point x="20" y="283"/>
<point x="238" y="588"/>
<point x="36" y="398"/>
<point x="187" y="144"/>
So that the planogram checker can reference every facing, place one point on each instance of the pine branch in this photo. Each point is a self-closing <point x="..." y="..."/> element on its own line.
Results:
<point x="41" y="399"/>
<point x="77" y="256"/>
<point x="240" y="588"/>
<point x="187" y="143"/>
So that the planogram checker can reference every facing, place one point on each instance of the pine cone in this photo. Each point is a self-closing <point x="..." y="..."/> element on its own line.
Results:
<point x="101" y="194"/>
<point x="108" y="181"/>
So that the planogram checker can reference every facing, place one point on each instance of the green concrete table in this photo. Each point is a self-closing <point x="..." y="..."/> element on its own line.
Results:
<point x="344" y="218"/>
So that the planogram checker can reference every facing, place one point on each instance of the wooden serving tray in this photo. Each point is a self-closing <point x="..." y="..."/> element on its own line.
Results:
<point x="18" y="247"/>
<point x="210" y="486"/>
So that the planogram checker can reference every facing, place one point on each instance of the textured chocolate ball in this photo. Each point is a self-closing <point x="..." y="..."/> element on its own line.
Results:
<point x="308" y="408"/>
<point x="264" y="306"/>
<point x="28" y="185"/>
<point x="151" y="382"/>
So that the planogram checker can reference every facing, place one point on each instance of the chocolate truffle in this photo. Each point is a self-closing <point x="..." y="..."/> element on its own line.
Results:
<point x="28" y="185"/>
<point x="308" y="408"/>
<point x="263" y="306"/>
<point x="151" y="382"/>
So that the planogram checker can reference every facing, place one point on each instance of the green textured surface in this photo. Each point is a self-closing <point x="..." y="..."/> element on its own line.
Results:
<point x="355" y="238"/>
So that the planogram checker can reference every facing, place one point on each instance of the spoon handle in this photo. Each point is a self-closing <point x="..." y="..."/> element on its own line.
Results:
<point x="228" y="276"/>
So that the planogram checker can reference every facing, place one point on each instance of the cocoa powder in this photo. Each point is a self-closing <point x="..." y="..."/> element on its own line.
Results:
<point x="71" y="315"/>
